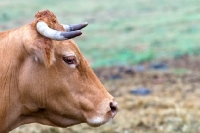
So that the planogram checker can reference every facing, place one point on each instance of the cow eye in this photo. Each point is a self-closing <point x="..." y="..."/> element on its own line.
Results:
<point x="70" y="60"/>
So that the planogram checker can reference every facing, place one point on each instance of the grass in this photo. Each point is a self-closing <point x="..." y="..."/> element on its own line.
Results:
<point x="120" y="33"/>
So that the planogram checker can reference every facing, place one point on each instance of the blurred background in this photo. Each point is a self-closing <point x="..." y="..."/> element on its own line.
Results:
<point x="146" y="52"/>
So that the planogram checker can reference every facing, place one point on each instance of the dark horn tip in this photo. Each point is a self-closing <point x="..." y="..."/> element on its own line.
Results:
<point x="81" y="26"/>
<point x="86" y="23"/>
<point x="79" y="32"/>
<point x="71" y="34"/>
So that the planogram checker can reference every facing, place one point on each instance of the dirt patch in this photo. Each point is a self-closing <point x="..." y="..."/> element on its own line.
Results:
<point x="188" y="62"/>
<point x="171" y="107"/>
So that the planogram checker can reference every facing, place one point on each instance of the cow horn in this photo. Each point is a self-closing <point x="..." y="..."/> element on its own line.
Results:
<point x="46" y="31"/>
<point x="73" y="27"/>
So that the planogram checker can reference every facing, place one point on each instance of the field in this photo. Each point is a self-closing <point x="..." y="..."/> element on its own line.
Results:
<point x="123" y="41"/>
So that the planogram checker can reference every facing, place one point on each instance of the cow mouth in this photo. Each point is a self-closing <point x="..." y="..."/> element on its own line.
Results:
<point x="97" y="121"/>
<point x="101" y="119"/>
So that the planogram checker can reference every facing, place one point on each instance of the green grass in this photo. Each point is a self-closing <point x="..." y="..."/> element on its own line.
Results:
<point x="120" y="32"/>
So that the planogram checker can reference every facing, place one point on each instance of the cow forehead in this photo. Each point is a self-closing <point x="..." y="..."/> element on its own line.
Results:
<point x="67" y="47"/>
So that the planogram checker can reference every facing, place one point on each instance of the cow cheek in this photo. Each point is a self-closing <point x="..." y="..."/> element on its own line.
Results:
<point x="63" y="106"/>
<point x="62" y="99"/>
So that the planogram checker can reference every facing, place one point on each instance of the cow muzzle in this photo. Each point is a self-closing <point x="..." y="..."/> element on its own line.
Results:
<point x="108" y="110"/>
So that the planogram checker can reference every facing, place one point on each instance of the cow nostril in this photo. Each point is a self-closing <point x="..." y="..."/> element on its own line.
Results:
<point x="113" y="107"/>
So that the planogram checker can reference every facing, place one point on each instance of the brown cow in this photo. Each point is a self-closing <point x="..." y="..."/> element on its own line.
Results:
<point x="44" y="78"/>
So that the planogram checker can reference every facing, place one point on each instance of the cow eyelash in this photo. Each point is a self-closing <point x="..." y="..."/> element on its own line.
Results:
<point x="70" y="60"/>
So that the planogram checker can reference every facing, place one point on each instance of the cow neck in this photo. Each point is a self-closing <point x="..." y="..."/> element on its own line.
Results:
<point x="9" y="71"/>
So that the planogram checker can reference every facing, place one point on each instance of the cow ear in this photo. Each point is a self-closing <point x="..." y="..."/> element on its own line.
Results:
<point x="43" y="51"/>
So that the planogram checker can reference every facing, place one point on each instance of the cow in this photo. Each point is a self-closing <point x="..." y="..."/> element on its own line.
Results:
<point x="44" y="78"/>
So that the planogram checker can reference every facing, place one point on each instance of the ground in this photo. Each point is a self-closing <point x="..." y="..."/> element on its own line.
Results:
<point x="171" y="107"/>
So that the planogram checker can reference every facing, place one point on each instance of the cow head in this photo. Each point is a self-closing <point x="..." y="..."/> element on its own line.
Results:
<point x="57" y="85"/>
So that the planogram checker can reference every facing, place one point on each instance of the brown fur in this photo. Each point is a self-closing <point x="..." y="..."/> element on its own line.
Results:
<point x="49" y="18"/>
<point x="36" y="85"/>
